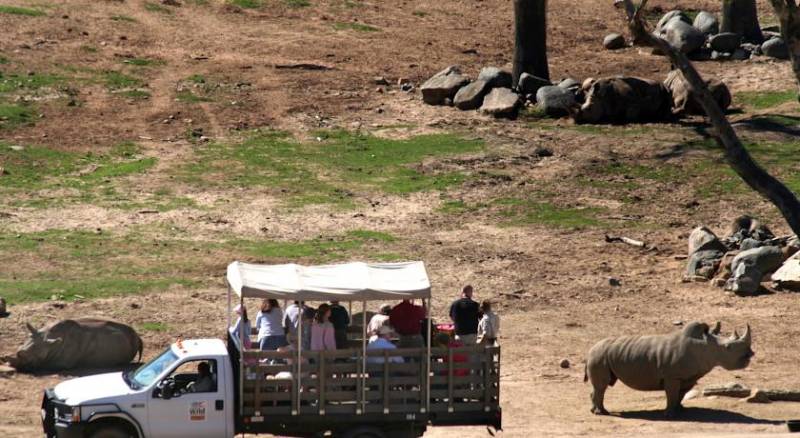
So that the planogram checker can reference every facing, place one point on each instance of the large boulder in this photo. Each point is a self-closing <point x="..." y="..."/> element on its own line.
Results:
<point x="530" y="84"/>
<point x="788" y="275"/>
<point x="666" y="18"/>
<point x="555" y="101"/>
<point x="686" y="102"/>
<point x="725" y="42"/>
<point x="703" y="263"/>
<point x="706" y="22"/>
<point x="614" y="41"/>
<point x="569" y="84"/>
<point x="775" y="48"/>
<point x="495" y="77"/>
<point x="471" y="96"/>
<point x="749" y="267"/>
<point x="501" y="102"/>
<point x="624" y="100"/>
<point x="682" y="35"/>
<point x="443" y="86"/>
<point x="702" y="238"/>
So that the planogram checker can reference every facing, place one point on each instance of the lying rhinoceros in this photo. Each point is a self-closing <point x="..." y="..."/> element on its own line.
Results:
<point x="624" y="100"/>
<point x="77" y="343"/>
<point x="673" y="363"/>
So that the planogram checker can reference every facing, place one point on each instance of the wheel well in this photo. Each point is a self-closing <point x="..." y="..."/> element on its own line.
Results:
<point x="117" y="422"/>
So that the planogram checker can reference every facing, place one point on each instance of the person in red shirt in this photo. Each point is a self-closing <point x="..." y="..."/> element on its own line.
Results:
<point x="406" y="318"/>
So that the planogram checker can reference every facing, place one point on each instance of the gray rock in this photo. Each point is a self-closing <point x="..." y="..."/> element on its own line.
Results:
<point x="669" y="16"/>
<point x="706" y="22"/>
<point x="443" y="85"/>
<point x="495" y="77"/>
<point x="682" y="35"/>
<point x="569" y="84"/>
<point x="725" y="42"/>
<point x="775" y="48"/>
<point x="755" y="49"/>
<point x="555" y="101"/>
<point x="704" y="263"/>
<point x="530" y="84"/>
<point x="701" y="238"/>
<point x="749" y="267"/>
<point x="614" y="41"/>
<point x="740" y="54"/>
<point x="501" y="102"/>
<point x="750" y="243"/>
<point x="471" y="96"/>
<point x="769" y="34"/>
<point x="788" y="275"/>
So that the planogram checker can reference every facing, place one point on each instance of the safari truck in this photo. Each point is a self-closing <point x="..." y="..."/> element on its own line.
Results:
<point x="348" y="392"/>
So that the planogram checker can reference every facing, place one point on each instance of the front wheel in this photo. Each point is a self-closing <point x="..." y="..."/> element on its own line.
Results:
<point x="364" y="432"/>
<point x="109" y="432"/>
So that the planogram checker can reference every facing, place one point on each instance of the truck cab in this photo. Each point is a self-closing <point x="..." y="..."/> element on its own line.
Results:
<point x="187" y="390"/>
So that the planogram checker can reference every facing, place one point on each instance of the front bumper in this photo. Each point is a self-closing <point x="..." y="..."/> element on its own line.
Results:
<point x="53" y="428"/>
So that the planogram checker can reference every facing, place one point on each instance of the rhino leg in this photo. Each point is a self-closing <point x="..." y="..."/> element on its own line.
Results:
<point x="601" y="377"/>
<point x="674" y="397"/>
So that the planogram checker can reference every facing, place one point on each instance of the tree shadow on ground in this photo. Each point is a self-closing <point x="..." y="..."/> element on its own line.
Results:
<point x="776" y="123"/>
<point x="697" y="415"/>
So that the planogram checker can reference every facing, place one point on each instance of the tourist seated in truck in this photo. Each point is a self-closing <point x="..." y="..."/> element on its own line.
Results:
<point x="241" y="329"/>
<point x="383" y="342"/>
<point x="442" y="340"/>
<point x="205" y="381"/>
<point x="378" y="320"/>
<point x="406" y="318"/>
<point x="323" y="335"/>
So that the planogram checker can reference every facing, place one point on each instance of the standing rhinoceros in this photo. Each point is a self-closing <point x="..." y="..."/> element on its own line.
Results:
<point x="672" y="363"/>
<point x="77" y="343"/>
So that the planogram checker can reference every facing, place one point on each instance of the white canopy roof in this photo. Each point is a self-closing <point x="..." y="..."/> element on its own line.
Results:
<point x="344" y="282"/>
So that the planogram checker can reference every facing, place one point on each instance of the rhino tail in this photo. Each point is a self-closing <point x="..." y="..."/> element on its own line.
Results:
<point x="585" y="374"/>
<point x="141" y="349"/>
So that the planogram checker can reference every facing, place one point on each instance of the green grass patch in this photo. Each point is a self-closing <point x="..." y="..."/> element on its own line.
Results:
<point x="155" y="7"/>
<point x="13" y="115"/>
<point x="115" y="80"/>
<point x="296" y="4"/>
<point x="197" y="79"/>
<point x="358" y="27"/>
<point x="189" y="97"/>
<point x="16" y="10"/>
<point x="123" y="18"/>
<point x="517" y="212"/>
<point x="154" y="326"/>
<point x="4" y="60"/>
<point x="328" y="170"/>
<point x="20" y="291"/>
<point x="419" y="14"/>
<point x="766" y="99"/>
<point x="32" y="81"/>
<point x="366" y="235"/>
<point x="89" y="49"/>
<point x="143" y="62"/>
<point x="247" y="4"/>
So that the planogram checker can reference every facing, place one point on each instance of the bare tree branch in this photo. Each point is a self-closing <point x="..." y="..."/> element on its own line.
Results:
<point x="735" y="153"/>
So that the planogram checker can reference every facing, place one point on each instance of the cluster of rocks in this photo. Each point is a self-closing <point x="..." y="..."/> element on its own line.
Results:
<point x="701" y="40"/>
<point x="746" y="257"/>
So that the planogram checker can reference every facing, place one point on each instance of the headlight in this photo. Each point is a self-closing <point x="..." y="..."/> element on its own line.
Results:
<point x="76" y="414"/>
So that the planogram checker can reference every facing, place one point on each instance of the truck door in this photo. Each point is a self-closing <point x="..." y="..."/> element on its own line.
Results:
<point x="190" y="402"/>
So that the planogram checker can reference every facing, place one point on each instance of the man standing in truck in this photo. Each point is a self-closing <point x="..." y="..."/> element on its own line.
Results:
<point x="464" y="314"/>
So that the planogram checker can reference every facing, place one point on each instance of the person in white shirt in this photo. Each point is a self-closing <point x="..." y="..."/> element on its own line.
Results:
<point x="240" y="330"/>
<point x="270" y="325"/>
<point x="489" y="325"/>
<point x="382" y="342"/>
<point x="378" y="320"/>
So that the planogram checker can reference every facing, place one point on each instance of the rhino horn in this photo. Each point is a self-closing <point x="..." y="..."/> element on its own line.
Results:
<point x="717" y="329"/>
<point x="735" y="334"/>
<point x="31" y="329"/>
<point x="746" y="335"/>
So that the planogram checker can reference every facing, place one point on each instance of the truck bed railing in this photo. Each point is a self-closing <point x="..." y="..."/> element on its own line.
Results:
<point x="461" y="379"/>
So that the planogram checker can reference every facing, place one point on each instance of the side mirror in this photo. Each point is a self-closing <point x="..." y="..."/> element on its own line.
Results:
<point x="164" y="390"/>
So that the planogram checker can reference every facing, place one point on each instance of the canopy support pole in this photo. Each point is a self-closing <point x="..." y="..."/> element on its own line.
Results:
<point x="242" y="373"/>
<point x="427" y="303"/>
<point x="299" y="357"/>
<point x="364" y="356"/>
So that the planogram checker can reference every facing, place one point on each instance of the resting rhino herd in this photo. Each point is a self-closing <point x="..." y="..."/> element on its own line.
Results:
<point x="672" y="363"/>
<point x="77" y="343"/>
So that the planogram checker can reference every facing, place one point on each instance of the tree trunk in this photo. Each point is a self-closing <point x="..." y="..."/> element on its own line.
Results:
<point x="735" y="153"/>
<point x="741" y="16"/>
<point x="530" y="39"/>
<point x="789" y="15"/>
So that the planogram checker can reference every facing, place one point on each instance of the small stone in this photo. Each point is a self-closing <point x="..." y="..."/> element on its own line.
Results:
<point x="542" y="152"/>
<point x="501" y="102"/>
<point x="564" y="363"/>
<point x="725" y="42"/>
<point x="135" y="306"/>
<point x="406" y="87"/>
<point x="677" y="322"/>
<point x="706" y="22"/>
<point x="775" y="48"/>
<point x="6" y="371"/>
<point x="614" y="41"/>
<point x="614" y="282"/>
<point x="758" y="396"/>
<point x="380" y="80"/>
<point x="691" y="395"/>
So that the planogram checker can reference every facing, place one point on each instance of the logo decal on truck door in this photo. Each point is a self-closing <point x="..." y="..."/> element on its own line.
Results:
<point x="197" y="411"/>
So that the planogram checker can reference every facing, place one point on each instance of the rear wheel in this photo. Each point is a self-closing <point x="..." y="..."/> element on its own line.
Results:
<point x="364" y="432"/>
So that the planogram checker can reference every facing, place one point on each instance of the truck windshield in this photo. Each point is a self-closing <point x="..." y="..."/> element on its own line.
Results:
<point x="148" y="372"/>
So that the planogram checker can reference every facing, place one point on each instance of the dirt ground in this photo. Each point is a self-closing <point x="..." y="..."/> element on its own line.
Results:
<point x="551" y="283"/>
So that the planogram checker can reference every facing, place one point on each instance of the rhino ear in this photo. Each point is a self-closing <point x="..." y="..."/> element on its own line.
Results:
<point x="746" y="336"/>
<point x="32" y="329"/>
<point x="717" y="329"/>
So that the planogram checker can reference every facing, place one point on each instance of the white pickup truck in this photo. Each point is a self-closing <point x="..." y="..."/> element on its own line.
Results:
<point x="208" y="388"/>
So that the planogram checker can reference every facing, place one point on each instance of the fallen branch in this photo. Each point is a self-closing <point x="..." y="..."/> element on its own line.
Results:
<point x="623" y="239"/>
<point x="735" y="153"/>
<point x="782" y="394"/>
<point x="303" y="66"/>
